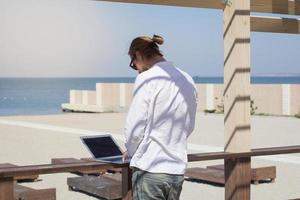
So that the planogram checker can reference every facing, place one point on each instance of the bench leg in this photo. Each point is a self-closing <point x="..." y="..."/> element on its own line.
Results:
<point x="7" y="188"/>
<point x="126" y="184"/>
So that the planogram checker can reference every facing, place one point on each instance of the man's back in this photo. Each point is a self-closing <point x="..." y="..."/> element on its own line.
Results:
<point x="169" y="96"/>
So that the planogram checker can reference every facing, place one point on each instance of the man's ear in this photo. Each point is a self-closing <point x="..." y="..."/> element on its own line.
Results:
<point x="139" y="56"/>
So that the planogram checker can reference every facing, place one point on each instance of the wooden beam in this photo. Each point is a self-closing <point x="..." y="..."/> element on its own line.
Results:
<point x="275" y="25"/>
<point x="59" y="168"/>
<point x="270" y="6"/>
<point x="236" y="34"/>
<point x="291" y="7"/>
<point x="294" y="7"/>
<point x="254" y="152"/>
<point x="214" y="4"/>
<point x="297" y="7"/>
<point x="236" y="25"/>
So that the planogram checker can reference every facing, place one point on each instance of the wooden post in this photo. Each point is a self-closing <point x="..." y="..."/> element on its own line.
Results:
<point x="7" y="188"/>
<point x="236" y="22"/>
<point x="237" y="178"/>
<point x="126" y="183"/>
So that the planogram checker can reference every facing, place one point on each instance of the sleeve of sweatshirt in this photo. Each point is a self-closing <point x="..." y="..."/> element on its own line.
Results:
<point x="136" y="120"/>
<point x="193" y="110"/>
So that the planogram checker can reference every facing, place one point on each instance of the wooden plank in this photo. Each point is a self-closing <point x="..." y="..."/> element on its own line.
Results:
<point x="104" y="186"/>
<point x="294" y="7"/>
<point x="7" y="188"/>
<point x="289" y="7"/>
<point x="215" y="174"/>
<point x="257" y="174"/>
<point x="74" y="160"/>
<point x="270" y="6"/>
<point x="56" y="161"/>
<point x="263" y="173"/>
<point x="213" y="4"/>
<point x="266" y="6"/>
<point x="60" y="168"/>
<point x="209" y="175"/>
<point x="254" y="152"/>
<point x="276" y="6"/>
<point x="44" y="194"/>
<point x="218" y="167"/>
<point x="111" y="170"/>
<point x="275" y="25"/>
<point x="19" y="178"/>
<point x="26" y="193"/>
<point x="6" y="165"/>
<point x="297" y="7"/>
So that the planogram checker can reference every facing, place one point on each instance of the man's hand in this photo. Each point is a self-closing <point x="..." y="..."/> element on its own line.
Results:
<point x="125" y="155"/>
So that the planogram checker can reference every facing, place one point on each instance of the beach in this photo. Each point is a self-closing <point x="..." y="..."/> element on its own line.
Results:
<point x="73" y="68"/>
<point x="31" y="140"/>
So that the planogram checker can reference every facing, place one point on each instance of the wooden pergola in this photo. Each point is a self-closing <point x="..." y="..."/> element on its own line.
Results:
<point x="237" y="26"/>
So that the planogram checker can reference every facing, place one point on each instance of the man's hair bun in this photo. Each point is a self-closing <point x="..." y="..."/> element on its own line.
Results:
<point x="158" y="39"/>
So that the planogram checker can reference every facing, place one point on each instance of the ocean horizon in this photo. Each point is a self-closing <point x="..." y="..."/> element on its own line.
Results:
<point x="39" y="96"/>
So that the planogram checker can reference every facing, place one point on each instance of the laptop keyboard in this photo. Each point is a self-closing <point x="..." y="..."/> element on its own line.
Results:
<point x="111" y="159"/>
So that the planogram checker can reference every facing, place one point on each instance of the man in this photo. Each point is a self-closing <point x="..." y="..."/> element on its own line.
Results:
<point x="160" y="119"/>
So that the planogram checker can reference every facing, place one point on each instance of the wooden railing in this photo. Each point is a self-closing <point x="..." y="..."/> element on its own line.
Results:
<point x="7" y="174"/>
<point x="253" y="153"/>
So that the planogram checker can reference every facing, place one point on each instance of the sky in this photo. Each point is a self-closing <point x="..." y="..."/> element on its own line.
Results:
<point x="86" y="38"/>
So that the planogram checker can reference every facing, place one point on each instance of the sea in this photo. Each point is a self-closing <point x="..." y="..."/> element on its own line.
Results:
<point x="44" y="96"/>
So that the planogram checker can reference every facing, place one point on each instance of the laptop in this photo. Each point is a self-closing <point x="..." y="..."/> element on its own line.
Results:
<point x="104" y="148"/>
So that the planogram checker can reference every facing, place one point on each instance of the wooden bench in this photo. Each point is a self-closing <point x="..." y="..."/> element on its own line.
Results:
<point x="257" y="174"/>
<point x="215" y="174"/>
<point x="108" y="186"/>
<point x="105" y="183"/>
<point x="27" y="193"/>
<point x="204" y="174"/>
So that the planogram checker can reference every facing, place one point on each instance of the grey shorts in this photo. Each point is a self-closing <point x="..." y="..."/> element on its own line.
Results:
<point x="156" y="186"/>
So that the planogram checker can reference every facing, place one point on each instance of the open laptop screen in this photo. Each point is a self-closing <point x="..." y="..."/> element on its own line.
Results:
<point x="102" y="146"/>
